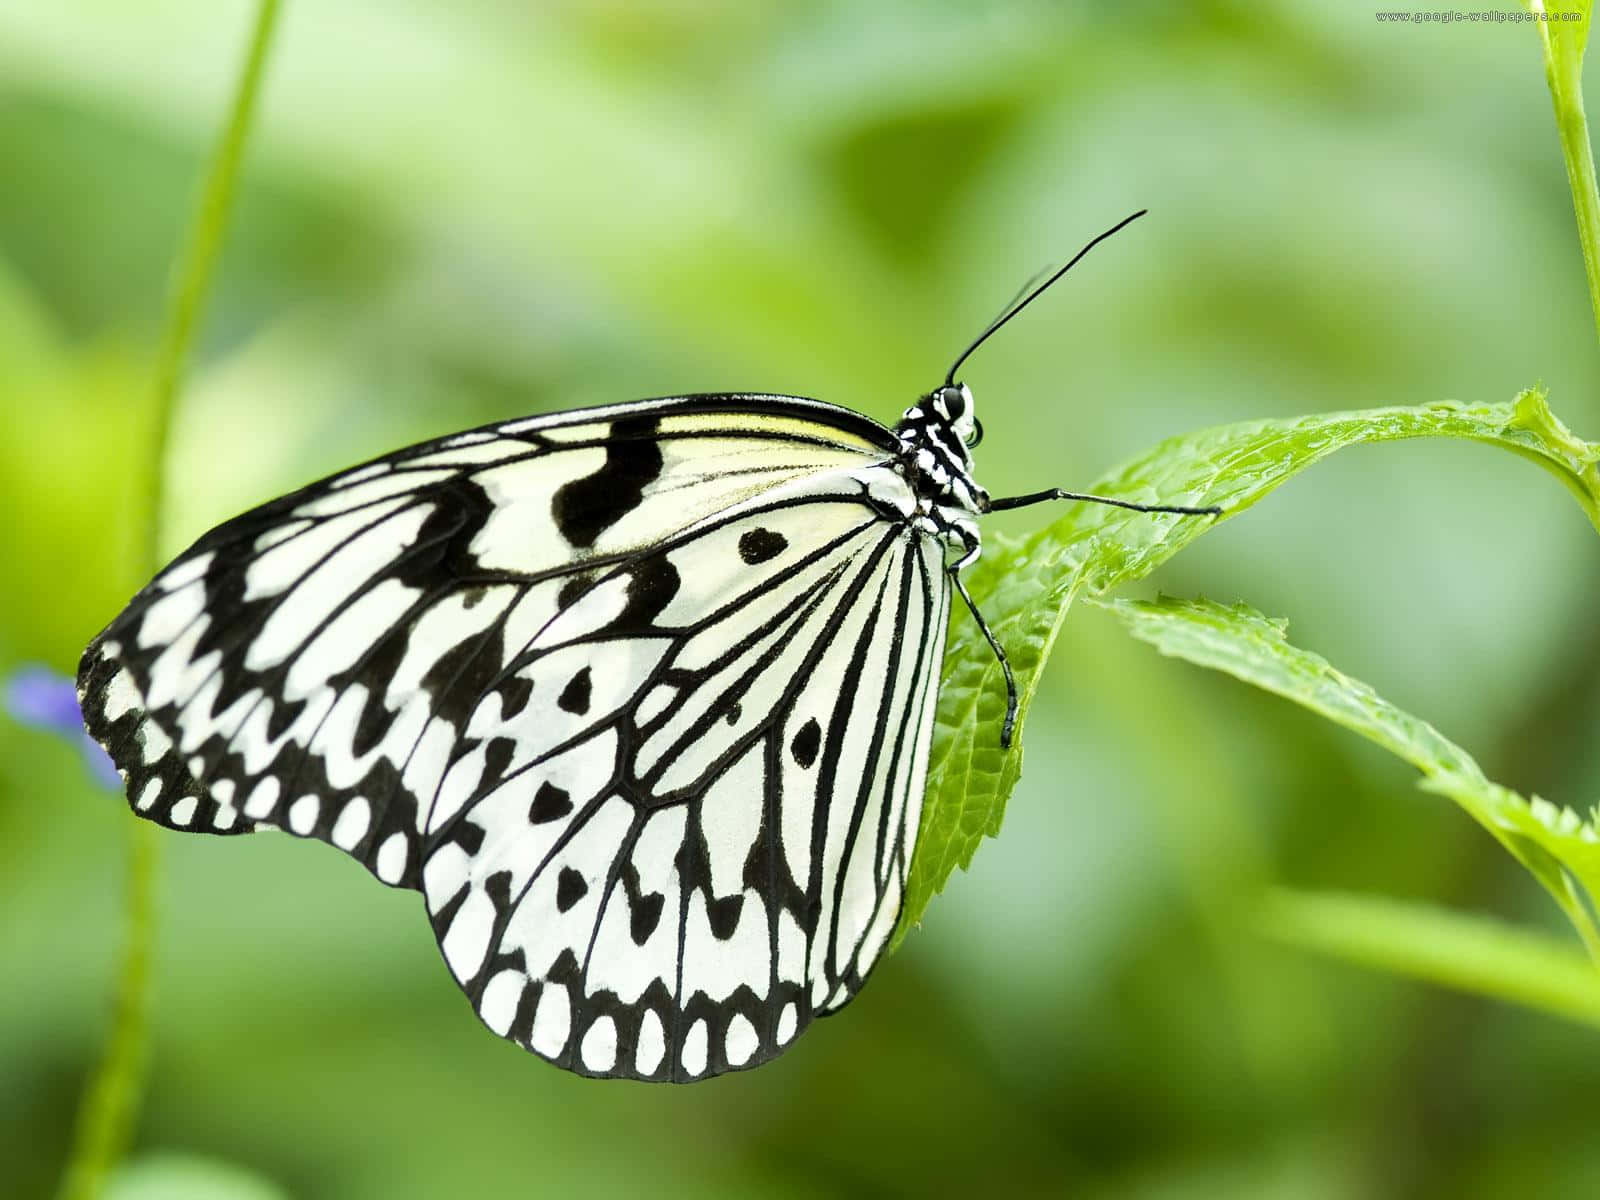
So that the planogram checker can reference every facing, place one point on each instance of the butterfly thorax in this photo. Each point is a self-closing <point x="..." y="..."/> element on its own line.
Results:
<point x="936" y="435"/>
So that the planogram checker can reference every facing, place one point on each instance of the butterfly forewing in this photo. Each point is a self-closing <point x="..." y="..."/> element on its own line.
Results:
<point x="639" y="699"/>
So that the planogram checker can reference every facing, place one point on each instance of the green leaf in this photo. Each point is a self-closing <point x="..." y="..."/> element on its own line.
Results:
<point x="1559" y="847"/>
<point x="1469" y="953"/>
<point x="1025" y="586"/>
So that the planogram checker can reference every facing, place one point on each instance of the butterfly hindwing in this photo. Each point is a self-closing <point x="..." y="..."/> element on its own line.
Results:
<point x="676" y="885"/>
<point x="584" y="681"/>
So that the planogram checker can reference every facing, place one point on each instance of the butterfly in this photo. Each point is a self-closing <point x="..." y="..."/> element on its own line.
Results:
<point x="640" y="698"/>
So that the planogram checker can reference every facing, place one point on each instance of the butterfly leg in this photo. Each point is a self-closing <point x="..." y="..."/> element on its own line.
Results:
<point x="954" y="570"/>
<point x="1210" y="510"/>
<point x="1008" y="727"/>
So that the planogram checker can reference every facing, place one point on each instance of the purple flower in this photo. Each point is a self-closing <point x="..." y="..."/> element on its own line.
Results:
<point x="39" y="697"/>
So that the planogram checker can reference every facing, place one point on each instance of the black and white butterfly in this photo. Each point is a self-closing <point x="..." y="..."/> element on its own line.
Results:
<point x="639" y="698"/>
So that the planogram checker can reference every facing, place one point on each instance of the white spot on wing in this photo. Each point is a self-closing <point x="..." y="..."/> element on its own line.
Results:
<point x="498" y="1008"/>
<point x="552" y="1021"/>
<point x="788" y="1021"/>
<point x="263" y="797"/>
<point x="791" y="947"/>
<point x="466" y="942"/>
<point x="303" y="814"/>
<point x="155" y="742"/>
<point x="695" y="1045"/>
<point x="183" y="811"/>
<point x="652" y="1046"/>
<point x="121" y="695"/>
<point x="741" y="1040"/>
<point x="170" y="615"/>
<point x="446" y="870"/>
<point x="655" y="702"/>
<point x="150" y="794"/>
<point x="185" y="572"/>
<point x="391" y="864"/>
<point x="599" y="1047"/>
<point x="351" y="825"/>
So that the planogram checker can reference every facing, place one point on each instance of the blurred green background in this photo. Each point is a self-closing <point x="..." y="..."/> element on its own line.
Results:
<point x="453" y="214"/>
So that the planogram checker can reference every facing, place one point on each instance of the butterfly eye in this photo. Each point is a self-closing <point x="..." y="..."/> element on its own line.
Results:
<point x="977" y="434"/>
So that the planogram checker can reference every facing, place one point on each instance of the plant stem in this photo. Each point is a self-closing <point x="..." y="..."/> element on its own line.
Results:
<point x="196" y="262"/>
<point x="110" y="1105"/>
<point x="1563" y="44"/>
<point x="111" y="1102"/>
<point x="1467" y="953"/>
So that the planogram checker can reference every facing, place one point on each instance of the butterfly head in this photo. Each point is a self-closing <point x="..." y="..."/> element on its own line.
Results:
<point x="953" y="403"/>
<point x="938" y="433"/>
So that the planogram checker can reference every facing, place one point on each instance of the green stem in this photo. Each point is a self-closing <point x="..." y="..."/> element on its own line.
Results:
<point x="1575" y="148"/>
<point x="1467" y="953"/>
<point x="1563" y="43"/>
<point x="110" y="1107"/>
<point x="111" y="1103"/>
<point x="196" y="263"/>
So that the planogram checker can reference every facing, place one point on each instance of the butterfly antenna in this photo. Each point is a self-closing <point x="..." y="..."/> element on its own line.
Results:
<point x="1026" y="297"/>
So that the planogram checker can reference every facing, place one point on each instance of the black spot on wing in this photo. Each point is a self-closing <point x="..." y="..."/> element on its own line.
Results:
<point x="497" y="757"/>
<point x="377" y="667"/>
<point x="570" y="888"/>
<point x="644" y="916"/>
<point x="652" y="584"/>
<point x="585" y="508"/>
<point x="441" y="550"/>
<point x="574" y="697"/>
<point x="806" y="743"/>
<point x="767" y="871"/>
<point x="724" y="916"/>
<point x="284" y="714"/>
<point x="459" y="677"/>
<point x="572" y="590"/>
<point x="550" y="803"/>
<point x="514" y="695"/>
<point x="758" y="545"/>
<point x="371" y="726"/>
<point x="644" y="908"/>
<point x="498" y="888"/>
